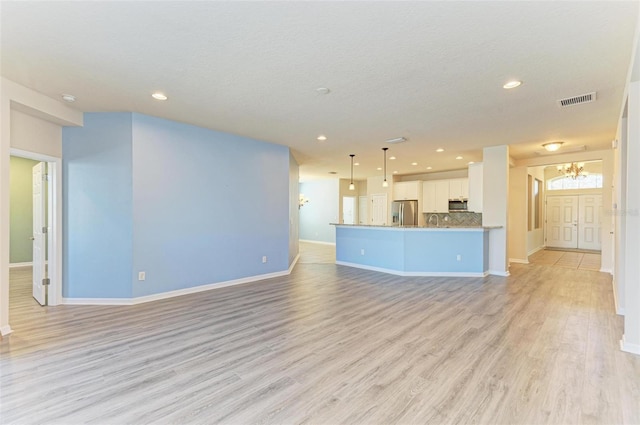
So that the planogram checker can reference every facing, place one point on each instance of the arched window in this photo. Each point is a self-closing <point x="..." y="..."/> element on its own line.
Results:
<point x="590" y="181"/>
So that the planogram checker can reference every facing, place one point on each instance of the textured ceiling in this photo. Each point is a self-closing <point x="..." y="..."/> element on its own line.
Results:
<point x="429" y="71"/>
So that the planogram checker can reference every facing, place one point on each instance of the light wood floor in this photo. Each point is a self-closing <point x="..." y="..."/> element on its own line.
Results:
<point x="568" y="259"/>
<point x="329" y="345"/>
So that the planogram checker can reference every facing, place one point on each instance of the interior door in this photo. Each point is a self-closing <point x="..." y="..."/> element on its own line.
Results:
<point x="562" y="221"/>
<point x="39" y="233"/>
<point x="589" y="222"/>
<point x="379" y="209"/>
<point x="349" y="210"/>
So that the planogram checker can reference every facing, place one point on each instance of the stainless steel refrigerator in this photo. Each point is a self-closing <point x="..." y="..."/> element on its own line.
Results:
<point x="404" y="213"/>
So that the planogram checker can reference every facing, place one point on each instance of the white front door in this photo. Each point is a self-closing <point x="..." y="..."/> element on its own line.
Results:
<point x="379" y="209"/>
<point x="363" y="208"/>
<point x="589" y="222"/>
<point x="39" y="233"/>
<point x="562" y="221"/>
<point x="349" y="210"/>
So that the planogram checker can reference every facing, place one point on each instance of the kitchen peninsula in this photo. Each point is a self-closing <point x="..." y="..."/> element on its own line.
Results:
<point x="414" y="251"/>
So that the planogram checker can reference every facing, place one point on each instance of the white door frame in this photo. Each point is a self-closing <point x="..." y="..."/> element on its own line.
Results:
<point x="54" y="213"/>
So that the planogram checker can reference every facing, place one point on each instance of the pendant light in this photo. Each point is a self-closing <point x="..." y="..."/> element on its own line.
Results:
<point x="351" y="185"/>
<point x="385" y="183"/>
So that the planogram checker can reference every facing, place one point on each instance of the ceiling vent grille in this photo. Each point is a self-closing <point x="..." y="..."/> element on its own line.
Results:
<point x="577" y="100"/>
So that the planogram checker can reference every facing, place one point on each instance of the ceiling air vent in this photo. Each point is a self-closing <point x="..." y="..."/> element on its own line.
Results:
<point x="576" y="100"/>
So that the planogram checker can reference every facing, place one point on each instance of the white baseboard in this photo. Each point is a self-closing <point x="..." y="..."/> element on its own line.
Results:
<point x="628" y="347"/>
<point x="5" y="330"/>
<point x="98" y="301"/>
<point x="407" y="274"/>
<point x="499" y="273"/>
<point x="518" y="261"/>
<point x="317" y="242"/>
<point x="619" y="310"/>
<point x="177" y="292"/>
<point x="534" y="250"/>
<point x="293" y="263"/>
<point x="607" y="271"/>
<point x="25" y="264"/>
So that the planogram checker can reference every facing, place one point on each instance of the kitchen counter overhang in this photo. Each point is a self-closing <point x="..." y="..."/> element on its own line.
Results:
<point x="414" y="251"/>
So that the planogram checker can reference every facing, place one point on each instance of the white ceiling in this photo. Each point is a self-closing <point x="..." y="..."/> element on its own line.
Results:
<point x="429" y="71"/>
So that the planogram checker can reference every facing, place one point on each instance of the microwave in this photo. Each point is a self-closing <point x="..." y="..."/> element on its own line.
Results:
<point x="458" y="205"/>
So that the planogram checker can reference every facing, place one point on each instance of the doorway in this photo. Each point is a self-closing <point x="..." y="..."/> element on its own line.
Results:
<point x="574" y="222"/>
<point x="349" y="210"/>
<point x="51" y="219"/>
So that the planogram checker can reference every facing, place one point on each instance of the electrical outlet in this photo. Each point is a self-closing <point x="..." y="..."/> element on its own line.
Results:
<point x="459" y="257"/>
<point x="142" y="275"/>
<point x="362" y="252"/>
<point x="264" y="258"/>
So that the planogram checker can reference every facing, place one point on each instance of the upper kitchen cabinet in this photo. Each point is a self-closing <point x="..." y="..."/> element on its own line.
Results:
<point x="475" y="187"/>
<point x="403" y="191"/>
<point x="435" y="195"/>
<point x="459" y="188"/>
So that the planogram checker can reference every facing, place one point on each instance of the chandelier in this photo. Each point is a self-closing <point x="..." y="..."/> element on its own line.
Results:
<point x="573" y="170"/>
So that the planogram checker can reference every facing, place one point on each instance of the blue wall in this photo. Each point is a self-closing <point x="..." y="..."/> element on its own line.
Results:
<point x="186" y="205"/>
<point x="321" y="210"/>
<point x="97" y="205"/>
<point x="207" y="206"/>
<point x="414" y="251"/>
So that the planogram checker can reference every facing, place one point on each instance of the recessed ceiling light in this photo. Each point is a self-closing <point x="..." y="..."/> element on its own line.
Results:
<point x="159" y="96"/>
<point x="323" y="90"/>
<point x="553" y="146"/>
<point x="429" y="168"/>
<point x="512" y="84"/>
<point x="68" y="98"/>
<point x="470" y="162"/>
<point x="322" y="137"/>
<point x="379" y="168"/>
<point x="414" y="163"/>
<point x="395" y="172"/>
<point x="357" y="163"/>
<point x="392" y="157"/>
<point x="458" y="157"/>
<point x="439" y="150"/>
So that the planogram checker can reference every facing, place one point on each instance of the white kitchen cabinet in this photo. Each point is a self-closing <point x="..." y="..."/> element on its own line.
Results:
<point x="475" y="188"/>
<point x="435" y="195"/>
<point x="459" y="188"/>
<point x="403" y="191"/>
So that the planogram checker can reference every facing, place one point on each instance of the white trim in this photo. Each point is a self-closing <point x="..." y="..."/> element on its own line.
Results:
<point x="619" y="311"/>
<point x="499" y="273"/>
<point x="534" y="250"/>
<point x="407" y="274"/>
<point x="98" y="301"/>
<point x="317" y="242"/>
<point x="177" y="292"/>
<point x="293" y="263"/>
<point x="24" y="264"/>
<point x="5" y="330"/>
<point x="607" y="271"/>
<point x="628" y="347"/>
<point x="518" y="260"/>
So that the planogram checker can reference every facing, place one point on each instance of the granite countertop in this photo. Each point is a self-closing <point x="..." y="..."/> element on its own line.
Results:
<point x="419" y="227"/>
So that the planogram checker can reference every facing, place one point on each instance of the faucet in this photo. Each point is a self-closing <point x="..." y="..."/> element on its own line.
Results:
<point x="436" y="216"/>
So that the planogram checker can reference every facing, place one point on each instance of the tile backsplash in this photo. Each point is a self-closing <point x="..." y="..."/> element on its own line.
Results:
<point x="462" y="219"/>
